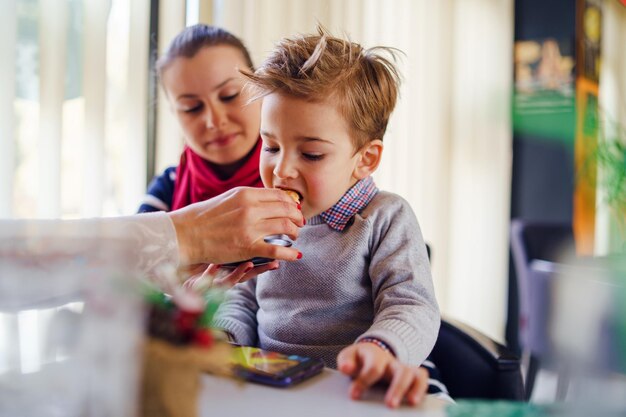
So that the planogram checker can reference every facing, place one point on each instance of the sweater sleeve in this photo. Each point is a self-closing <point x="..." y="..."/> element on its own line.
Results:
<point x="160" y="192"/>
<point x="237" y="314"/>
<point x="407" y="316"/>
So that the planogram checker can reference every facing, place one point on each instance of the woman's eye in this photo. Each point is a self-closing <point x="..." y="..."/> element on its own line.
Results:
<point x="313" y="156"/>
<point x="193" y="109"/>
<point x="270" y="149"/>
<point x="228" y="98"/>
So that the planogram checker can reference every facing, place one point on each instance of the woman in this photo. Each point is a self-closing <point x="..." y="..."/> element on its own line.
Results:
<point x="200" y="74"/>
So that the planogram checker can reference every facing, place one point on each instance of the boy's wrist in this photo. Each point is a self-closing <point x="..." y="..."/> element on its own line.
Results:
<point x="384" y="346"/>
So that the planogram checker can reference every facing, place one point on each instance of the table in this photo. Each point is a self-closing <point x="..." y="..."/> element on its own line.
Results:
<point x="323" y="395"/>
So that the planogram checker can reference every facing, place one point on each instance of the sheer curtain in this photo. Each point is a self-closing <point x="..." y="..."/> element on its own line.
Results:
<point x="448" y="145"/>
<point x="73" y="77"/>
<point x="73" y="119"/>
<point x="73" y="107"/>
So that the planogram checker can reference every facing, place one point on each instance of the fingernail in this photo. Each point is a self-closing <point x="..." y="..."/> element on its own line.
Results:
<point x="299" y="206"/>
<point x="299" y="255"/>
<point x="248" y="269"/>
<point x="303" y="220"/>
<point x="218" y="266"/>
<point x="274" y="269"/>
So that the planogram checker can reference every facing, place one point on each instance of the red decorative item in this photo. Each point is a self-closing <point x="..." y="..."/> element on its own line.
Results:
<point x="179" y="348"/>
<point x="203" y="338"/>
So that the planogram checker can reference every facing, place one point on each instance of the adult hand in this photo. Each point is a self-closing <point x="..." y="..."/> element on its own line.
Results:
<point x="217" y="276"/>
<point x="368" y="364"/>
<point x="231" y="227"/>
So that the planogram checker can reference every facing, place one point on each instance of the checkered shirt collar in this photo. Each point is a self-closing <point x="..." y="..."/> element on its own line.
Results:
<point x="351" y="203"/>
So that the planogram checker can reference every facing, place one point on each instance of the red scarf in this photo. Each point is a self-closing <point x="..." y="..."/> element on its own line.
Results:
<point x="196" y="179"/>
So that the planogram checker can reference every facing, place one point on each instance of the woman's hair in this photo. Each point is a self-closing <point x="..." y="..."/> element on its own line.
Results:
<point x="319" y="67"/>
<point x="193" y="38"/>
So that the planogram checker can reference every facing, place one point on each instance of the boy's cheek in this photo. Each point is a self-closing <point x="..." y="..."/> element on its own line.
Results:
<point x="266" y="175"/>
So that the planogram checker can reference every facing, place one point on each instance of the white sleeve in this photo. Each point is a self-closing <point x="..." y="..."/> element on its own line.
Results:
<point x="150" y="237"/>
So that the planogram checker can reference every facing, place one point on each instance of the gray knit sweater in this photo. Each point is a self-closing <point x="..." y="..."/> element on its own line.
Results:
<point x="370" y="280"/>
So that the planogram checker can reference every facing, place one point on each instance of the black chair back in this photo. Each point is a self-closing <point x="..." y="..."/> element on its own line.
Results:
<point x="474" y="366"/>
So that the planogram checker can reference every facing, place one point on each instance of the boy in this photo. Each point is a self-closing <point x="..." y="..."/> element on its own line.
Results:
<point x="361" y="298"/>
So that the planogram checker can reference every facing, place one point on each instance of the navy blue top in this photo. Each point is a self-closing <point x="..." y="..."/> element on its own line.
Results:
<point x="160" y="192"/>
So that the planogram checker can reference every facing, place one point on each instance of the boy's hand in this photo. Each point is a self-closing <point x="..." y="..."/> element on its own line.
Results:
<point x="214" y="276"/>
<point x="368" y="364"/>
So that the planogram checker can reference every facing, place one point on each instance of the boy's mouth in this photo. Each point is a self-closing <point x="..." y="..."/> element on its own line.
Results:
<point x="295" y="195"/>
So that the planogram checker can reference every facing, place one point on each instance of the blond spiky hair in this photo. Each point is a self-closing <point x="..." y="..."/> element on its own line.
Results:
<point x="362" y="82"/>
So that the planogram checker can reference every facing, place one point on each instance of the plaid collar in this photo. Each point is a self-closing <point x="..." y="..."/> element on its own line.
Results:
<point x="351" y="203"/>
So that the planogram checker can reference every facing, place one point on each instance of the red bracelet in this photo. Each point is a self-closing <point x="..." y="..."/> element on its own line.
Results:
<point x="378" y="343"/>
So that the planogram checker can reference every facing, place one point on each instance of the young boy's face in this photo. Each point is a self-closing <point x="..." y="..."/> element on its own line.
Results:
<point x="307" y="148"/>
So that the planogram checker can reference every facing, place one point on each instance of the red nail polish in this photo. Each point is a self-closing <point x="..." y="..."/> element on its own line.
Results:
<point x="299" y="255"/>
<point x="248" y="269"/>
<point x="303" y="220"/>
<point x="299" y="206"/>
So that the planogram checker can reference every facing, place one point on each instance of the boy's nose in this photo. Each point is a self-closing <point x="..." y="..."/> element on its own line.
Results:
<point x="285" y="169"/>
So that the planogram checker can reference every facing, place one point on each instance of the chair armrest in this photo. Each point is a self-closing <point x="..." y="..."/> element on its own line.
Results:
<point x="505" y="358"/>
<point x="474" y="366"/>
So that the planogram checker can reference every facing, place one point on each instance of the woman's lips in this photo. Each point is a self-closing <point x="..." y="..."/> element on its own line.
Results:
<point x="223" y="140"/>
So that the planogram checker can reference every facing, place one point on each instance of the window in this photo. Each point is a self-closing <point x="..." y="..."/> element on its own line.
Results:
<point x="74" y="133"/>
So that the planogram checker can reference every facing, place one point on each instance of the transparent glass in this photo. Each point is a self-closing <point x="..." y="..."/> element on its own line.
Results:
<point x="70" y="327"/>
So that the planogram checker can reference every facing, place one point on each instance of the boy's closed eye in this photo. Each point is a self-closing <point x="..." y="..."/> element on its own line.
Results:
<point x="313" y="156"/>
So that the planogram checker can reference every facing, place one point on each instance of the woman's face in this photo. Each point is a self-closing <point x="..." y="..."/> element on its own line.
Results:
<point x="207" y="96"/>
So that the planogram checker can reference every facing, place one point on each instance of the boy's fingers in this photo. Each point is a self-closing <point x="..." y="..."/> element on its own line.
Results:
<point x="401" y="381"/>
<point x="346" y="361"/>
<point x="419" y="387"/>
<point x="371" y="370"/>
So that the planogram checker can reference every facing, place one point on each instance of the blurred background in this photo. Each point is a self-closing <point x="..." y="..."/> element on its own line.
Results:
<point x="503" y="106"/>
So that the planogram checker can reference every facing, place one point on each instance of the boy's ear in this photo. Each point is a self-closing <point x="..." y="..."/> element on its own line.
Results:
<point x="368" y="159"/>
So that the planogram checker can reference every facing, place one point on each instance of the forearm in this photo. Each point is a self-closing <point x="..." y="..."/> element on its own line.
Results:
<point x="410" y="332"/>
<point x="150" y="238"/>
<point x="406" y="311"/>
<point x="237" y="314"/>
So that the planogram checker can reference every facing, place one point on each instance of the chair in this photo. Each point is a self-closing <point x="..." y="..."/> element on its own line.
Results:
<point x="474" y="366"/>
<point x="533" y="243"/>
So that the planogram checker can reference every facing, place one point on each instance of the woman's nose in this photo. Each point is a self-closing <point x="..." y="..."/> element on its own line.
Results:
<point x="215" y="117"/>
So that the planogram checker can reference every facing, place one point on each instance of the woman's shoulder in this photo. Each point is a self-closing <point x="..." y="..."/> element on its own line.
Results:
<point x="159" y="194"/>
<point x="167" y="177"/>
